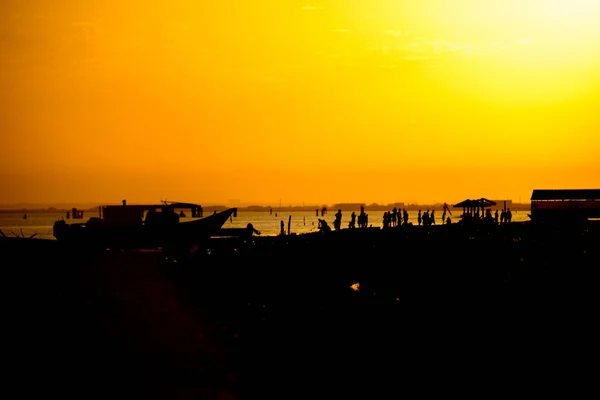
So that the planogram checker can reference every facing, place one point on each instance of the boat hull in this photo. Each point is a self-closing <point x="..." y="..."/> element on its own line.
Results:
<point x="96" y="232"/>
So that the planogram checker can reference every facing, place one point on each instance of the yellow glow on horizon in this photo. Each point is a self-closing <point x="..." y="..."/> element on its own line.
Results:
<point x="328" y="101"/>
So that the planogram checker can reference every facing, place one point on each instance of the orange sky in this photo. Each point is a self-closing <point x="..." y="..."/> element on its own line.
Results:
<point x="300" y="102"/>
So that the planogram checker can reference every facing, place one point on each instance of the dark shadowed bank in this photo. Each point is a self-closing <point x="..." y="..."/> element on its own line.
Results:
<point x="451" y="308"/>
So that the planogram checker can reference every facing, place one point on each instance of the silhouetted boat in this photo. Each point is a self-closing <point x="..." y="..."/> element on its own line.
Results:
<point x="143" y="226"/>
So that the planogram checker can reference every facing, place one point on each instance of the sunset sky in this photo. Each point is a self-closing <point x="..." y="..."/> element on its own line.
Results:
<point x="269" y="101"/>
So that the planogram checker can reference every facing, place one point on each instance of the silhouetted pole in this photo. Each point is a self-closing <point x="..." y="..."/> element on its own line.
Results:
<point x="289" y="224"/>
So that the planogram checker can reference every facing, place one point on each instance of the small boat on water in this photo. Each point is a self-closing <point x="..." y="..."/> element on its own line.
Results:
<point x="143" y="226"/>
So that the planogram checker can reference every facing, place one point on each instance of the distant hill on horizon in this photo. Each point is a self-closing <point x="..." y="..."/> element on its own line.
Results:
<point x="48" y="206"/>
<point x="56" y="207"/>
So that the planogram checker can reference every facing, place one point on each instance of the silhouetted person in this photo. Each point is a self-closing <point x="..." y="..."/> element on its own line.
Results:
<point x="387" y="219"/>
<point x="337" y="223"/>
<point x="323" y="226"/>
<point x="252" y="229"/>
<point x="447" y="209"/>
<point x="352" y="220"/>
<point x="171" y="217"/>
<point x="488" y="214"/>
<point x="362" y="218"/>
<point x="152" y="217"/>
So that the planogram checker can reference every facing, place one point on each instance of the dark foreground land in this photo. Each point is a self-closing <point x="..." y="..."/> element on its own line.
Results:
<point x="447" y="309"/>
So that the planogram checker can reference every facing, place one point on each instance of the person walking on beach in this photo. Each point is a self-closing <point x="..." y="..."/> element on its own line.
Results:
<point x="337" y="223"/>
<point x="419" y="218"/>
<point x="447" y="209"/>
<point x="352" y="220"/>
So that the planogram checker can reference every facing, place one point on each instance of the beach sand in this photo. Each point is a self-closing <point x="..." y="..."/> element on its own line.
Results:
<point x="245" y="318"/>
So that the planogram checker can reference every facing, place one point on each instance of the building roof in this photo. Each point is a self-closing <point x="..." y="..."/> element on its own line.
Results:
<point x="565" y="194"/>
<point x="144" y="207"/>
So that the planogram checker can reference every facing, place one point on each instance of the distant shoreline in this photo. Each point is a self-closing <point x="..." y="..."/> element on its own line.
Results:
<point x="256" y="208"/>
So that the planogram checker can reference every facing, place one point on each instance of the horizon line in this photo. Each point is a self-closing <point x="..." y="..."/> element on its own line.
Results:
<point x="89" y="205"/>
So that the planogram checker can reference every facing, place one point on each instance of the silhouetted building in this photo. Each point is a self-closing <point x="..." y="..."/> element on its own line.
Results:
<point x="397" y="205"/>
<point x="500" y="204"/>
<point x="565" y="204"/>
<point x="348" y="206"/>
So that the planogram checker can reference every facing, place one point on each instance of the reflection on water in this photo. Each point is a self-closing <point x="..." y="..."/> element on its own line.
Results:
<point x="298" y="222"/>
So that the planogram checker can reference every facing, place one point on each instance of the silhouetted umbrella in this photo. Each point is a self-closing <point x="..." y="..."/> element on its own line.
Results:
<point x="465" y="204"/>
<point x="470" y="205"/>
<point x="482" y="202"/>
<point x="486" y="203"/>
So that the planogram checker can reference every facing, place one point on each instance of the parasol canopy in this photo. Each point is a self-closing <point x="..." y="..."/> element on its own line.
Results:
<point x="477" y="203"/>
<point x="471" y="206"/>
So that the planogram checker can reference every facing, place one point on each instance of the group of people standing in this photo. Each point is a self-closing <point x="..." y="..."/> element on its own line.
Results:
<point x="397" y="217"/>
<point x="362" y="220"/>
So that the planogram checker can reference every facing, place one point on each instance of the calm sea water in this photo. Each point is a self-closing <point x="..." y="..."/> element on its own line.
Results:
<point x="40" y="224"/>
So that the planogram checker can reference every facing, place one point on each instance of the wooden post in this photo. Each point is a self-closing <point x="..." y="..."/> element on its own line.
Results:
<point x="289" y="224"/>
